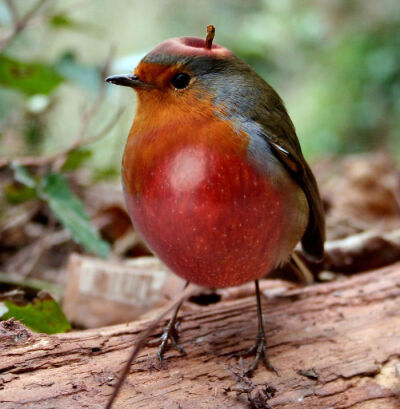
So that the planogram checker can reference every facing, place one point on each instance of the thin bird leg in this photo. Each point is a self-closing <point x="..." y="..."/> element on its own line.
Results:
<point x="260" y="345"/>
<point x="170" y="334"/>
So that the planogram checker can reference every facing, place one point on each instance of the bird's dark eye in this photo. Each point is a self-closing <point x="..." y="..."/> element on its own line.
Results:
<point x="180" y="80"/>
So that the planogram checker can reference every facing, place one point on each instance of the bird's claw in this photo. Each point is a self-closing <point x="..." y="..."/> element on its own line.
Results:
<point x="170" y="334"/>
<point x="259" y="349"/>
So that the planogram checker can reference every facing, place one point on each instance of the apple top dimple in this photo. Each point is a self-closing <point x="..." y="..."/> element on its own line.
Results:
<point x="190" y="46"/>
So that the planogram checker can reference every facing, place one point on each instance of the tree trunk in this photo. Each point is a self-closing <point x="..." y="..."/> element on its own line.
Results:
<point x="335" y="345"/>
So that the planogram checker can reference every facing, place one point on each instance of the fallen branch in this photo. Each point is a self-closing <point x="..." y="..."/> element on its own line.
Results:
<point x="334" y="345"/>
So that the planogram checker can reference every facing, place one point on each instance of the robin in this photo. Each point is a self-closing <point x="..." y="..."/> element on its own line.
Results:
<point x="214" y="177"/>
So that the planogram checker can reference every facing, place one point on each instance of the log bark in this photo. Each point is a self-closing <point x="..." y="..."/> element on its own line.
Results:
<point x="335" y="345"/>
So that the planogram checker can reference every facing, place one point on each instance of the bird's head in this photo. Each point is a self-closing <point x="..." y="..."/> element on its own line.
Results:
<point x="186" y="71"/>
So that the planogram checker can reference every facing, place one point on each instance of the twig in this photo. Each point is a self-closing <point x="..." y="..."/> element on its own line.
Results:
<point x="46" y="160"/>
<point x="57" y="160"/>
<point x="19" y="24"/>
<point x="17" y="216"/>
<point x="88" y="115"/>
<point x="14" y="11"/>
<point x="34" y="20"/>
<point x="38" y="20"/>
<point x="60" y="157"/>
<point x="141" y="341"/>
<point x="26" y="260"/>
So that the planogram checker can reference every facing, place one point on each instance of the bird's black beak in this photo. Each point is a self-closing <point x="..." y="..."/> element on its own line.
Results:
<point x="128" y="80"/>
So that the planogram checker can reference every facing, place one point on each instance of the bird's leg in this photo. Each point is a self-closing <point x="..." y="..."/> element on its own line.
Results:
<point x="170" y="334"/>
<point x="259" y="349"/>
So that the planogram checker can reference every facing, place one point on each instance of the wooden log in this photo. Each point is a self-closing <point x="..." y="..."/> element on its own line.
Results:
<point x="335" y="345"/>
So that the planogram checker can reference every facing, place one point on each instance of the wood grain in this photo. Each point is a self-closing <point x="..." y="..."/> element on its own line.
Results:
<point x="335" y="345"/>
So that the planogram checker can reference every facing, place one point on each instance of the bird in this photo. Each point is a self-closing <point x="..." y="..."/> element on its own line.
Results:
<point x="214" y="177"/>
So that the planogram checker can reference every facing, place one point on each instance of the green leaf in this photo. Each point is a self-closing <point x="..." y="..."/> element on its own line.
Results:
<point x="67" y="208"/>
<point x="43" y="314"/>
<point x="63" y="21"/>
<point x="28" y="77"/>
<point x="76" y="158"/>
<point x="22" y="176"/>
<point x="110" y="172"/>
<point x="16" y="194"/>
<point x="70" y="212"/>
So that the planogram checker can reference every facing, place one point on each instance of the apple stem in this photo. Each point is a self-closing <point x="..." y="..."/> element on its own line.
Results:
<point x="210" y="37"/>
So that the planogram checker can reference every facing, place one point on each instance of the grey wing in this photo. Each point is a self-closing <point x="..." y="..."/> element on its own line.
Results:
<point x="261" y="106"/>
<point x="282" y="138"/>
<point x="314" y="236"/>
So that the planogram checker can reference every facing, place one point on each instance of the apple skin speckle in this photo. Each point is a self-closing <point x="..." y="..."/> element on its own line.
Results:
<point x="202" y="214"/>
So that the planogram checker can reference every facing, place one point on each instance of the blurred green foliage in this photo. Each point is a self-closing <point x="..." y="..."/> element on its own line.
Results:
<point x="76" y="159"/>
<point x="53" y="189"/>
<point x="41" y="313"/>
<point x="70" y="212"/>
<point x="33" y="84"/>
<point x="29" y="77"/>
<point x="335" y="63"/>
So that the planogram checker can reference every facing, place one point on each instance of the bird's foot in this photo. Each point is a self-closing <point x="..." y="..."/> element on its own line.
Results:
<point x="168" y="338"/>
<point x="259" y="349"/>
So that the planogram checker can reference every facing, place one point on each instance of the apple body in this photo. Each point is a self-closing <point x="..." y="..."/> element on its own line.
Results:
<point x="209" y="213"/>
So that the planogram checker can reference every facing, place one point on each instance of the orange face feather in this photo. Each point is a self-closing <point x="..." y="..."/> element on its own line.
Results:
<point x="166" y="121"/>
